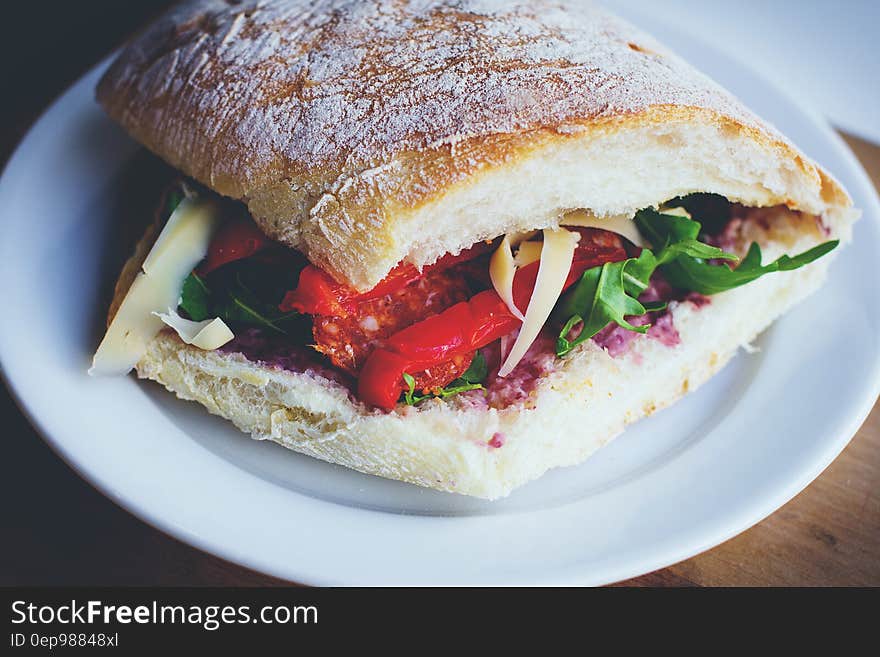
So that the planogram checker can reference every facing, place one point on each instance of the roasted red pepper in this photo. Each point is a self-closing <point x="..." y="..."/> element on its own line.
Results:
<point x="464" y="327"/>
<point x="468" y="325"/>
<point x="237" y="239"/>
<point x="379" y="383"/>
<point x="319" y="294"/>
<point x="596" y="247"/>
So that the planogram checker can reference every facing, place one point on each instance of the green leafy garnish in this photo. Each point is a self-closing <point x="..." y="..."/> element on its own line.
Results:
<point x="471" y="379"/>
<point x="195" y="298"/>
<point x="477" y="371"/>
<point x="455" y="388"/>
<point x="244" y="307"/>
<point x="172" y="200"/>
<point x="604" y="295"/>
<point x="244" y="293"/>
<point x="673" y="236"/>
<point x="683" y="259"/>
<point x="713" y="210"/>
<point x="637" y="273"/>
<point x="609" y="293"/>
<point x="409" y="397"/>
<point x="700" y="276"/>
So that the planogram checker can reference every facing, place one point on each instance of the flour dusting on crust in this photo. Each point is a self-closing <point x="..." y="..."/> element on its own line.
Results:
<point x="347" y="85"/>
<point x="339" y="121"/>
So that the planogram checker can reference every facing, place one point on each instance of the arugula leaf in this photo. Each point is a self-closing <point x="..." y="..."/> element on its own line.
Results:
<point x="412" y="399"/>
<point x="673" y="236"/>
<point x="451" y="389"/>
<point x="713" y="210"/>
<point x="694" y="274"/>
<point x="244" y="294"/>
<point x="477" y="371"/>
<point x="172" y="200"/>
<point x="664" y="229"/>
<point x="470" y="380"/>
<point x="195" y="298"/>
<point x="241" y="311"/>
<point x="637" y="273"/>
<point x="268" y="282"/>
<point x="563" y="344"/>
<point x="244" y="307"/>
<point x="601" y="297"/>
<point x="694" y="249"/>
<point x="654" y="306"/>
<point x="683" y="258"/>
<point x="408" y="396"/>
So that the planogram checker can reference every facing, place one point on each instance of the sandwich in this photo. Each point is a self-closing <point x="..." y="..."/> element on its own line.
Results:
<point x="454" y="243"/>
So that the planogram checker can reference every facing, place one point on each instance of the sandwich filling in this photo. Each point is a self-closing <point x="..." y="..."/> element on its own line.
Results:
<point x="482" y="325"/>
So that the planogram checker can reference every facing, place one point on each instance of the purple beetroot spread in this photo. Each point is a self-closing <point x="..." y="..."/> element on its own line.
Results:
<point x="617" y="340"/>
<point x="278" y="352"/>
<point x="516" y="387"/>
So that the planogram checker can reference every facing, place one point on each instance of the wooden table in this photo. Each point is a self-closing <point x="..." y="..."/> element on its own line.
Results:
<point x="58" y="530"/>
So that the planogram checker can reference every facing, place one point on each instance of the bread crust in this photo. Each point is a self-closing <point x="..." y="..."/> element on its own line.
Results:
<point x="350" y="127"/>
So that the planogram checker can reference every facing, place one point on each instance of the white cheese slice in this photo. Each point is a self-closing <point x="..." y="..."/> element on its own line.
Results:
<point x="621" y="224"/>
<point x="506" y="343"/>
<point x="501" y="272"/>
<point x="527" y="253"/>
<point x="556" y="257"/>
<point x="209" y="334"/>
<point x="187" y="232"/>
<point x="678" y="211"/>
<point x="521" y="236"/>
<point x="182" y="243"/>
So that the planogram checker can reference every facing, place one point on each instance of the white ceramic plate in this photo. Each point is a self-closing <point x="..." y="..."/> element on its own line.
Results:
<point x="670" y="487"/>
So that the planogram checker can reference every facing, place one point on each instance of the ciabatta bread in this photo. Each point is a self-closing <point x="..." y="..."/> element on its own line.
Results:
<point x="366" y="132"/>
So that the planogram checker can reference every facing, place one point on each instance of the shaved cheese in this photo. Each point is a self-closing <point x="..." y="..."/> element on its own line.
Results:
<point x="506" y="343"/>
<point x="209" y="334"/>
<point x="522" y="236"/>
<point x="556" y="257"/>
<point x="501" y="272"/>
<point x="620" y="224"/>
<point x="527" y="253"/>
<point x="182" y="243"/>
<point x="677" y="211"/>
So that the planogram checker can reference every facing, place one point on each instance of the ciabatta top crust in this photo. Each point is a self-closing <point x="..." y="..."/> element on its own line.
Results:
<point x="364" y="132"/>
